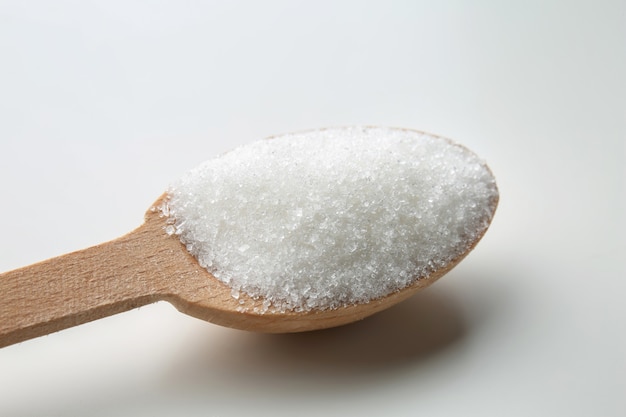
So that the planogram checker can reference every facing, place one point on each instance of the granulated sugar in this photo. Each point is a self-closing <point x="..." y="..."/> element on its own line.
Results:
<point x="326" y="218"/>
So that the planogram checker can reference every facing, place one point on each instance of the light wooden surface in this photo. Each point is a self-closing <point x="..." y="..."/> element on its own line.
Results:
<point x="142" y="267"/>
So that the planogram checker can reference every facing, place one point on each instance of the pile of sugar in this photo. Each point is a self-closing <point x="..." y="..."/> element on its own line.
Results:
<point x="327" y="218"/>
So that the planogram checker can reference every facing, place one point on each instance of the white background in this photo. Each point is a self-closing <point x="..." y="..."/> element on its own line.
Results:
<point x="103" y="104"/>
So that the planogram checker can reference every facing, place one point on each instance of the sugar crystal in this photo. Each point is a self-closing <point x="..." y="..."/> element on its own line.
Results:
<point x="326" y="218"/>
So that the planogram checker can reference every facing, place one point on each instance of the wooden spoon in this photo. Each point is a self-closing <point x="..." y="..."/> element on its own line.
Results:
<point x="142" y="267"/>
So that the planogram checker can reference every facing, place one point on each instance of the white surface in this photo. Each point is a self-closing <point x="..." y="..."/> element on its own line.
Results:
<point x="103" y="104"/>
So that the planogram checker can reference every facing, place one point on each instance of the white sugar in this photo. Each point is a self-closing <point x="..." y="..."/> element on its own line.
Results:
<point x="325" y="218"/>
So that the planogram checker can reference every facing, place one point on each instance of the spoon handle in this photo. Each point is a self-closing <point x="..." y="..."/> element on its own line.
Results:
<point x="75" y="288"/>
